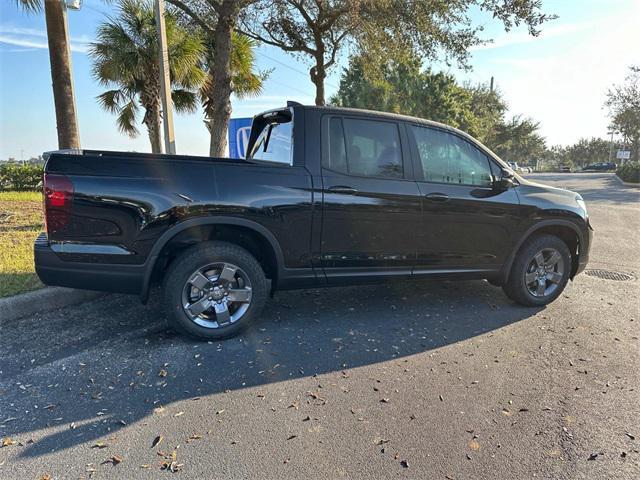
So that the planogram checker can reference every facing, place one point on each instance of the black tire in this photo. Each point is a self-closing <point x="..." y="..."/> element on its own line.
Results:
<point x="516" y="286"/>
<point x="182" y="268"/>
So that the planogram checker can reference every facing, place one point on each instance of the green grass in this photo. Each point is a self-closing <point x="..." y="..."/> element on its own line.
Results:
<point x="20" y="224"/>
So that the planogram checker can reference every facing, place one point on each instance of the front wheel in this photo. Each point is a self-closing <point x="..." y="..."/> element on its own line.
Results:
<point x="214" y="290"/>
<point x="540" y="271"/>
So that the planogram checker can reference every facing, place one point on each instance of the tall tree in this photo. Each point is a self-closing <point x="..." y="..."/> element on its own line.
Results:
<point x="218" y="20"/>
<point x="318" y="29"/>
<point x="61" y="76"/>
<point x="623" y="102"/>
<point x="125" y="55"/>
<point x="518" y="140"/>
<point x="400" y="86"/>
<point x="245" y="82"/>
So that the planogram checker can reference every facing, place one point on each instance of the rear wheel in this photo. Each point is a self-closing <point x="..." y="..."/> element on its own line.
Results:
<point x="214" y="290"/>
<point x="540" y="271"/>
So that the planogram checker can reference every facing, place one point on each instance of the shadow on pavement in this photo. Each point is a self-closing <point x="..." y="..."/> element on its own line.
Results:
<point x="97" y="365"/>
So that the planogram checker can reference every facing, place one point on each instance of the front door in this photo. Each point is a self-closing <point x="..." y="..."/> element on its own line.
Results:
<point x="466" y="224"/>
<point x="371" y="204"/>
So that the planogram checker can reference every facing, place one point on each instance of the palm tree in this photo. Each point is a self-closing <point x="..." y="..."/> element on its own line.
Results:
<point x="60" y="60"/>
<point x="244" y="82"/>
<point x="125" y="55"/>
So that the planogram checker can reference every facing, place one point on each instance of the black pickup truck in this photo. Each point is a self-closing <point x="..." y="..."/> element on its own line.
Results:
<point x="326" y="196"/>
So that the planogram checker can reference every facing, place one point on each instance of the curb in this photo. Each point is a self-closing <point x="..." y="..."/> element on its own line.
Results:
<point x="627" y="184"/>
<point x="48" y="298"/>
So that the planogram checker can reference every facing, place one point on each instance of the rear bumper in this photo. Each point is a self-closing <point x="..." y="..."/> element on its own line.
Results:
<point x="87" y="276"/>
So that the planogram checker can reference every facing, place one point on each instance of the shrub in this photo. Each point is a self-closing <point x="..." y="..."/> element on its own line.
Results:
<point x="630" y="172"/>
<point x="14" y="176"/>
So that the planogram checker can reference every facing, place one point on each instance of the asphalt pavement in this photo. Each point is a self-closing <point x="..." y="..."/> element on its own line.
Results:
<point x="428" y="380"/>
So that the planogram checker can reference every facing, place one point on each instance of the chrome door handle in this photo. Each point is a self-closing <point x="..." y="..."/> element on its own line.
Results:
<point x="437" y="197"/>
<point x="342" y="189"/>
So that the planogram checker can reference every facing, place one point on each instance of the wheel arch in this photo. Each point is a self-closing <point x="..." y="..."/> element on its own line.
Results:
<point x="252" y="236"/>
<point x="566" y="230"/>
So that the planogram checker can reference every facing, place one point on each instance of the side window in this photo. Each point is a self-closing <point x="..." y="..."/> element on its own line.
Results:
<point x="447" y="158"/>
<point x="337" y="158"/>
<point x="365" y="148"/>
<point x="274" y="144"/>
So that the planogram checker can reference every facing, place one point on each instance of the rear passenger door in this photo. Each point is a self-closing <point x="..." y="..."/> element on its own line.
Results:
<point x="371" y="203"/>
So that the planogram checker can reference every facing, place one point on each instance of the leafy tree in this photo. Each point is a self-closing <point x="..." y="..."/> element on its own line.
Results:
<point x="218" y="20"/>
<point x="587" y="151"/>
<point x="517" y="140"/>
<point x="61" y="76"/>
<point x="125" y="55"/>
<point x="623" y="102"/>
<point x="489" y="108"/>
<point x="400" y="86"/>
<point x="317" y="30"/>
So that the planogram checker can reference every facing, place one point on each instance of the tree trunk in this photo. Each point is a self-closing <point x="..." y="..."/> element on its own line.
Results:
<point x="62" y="82"/>
<point x="318" y="75"/>
<point x="153" y="127"/>
<point x="220" y="110"/>
<point x="150" y="99"/>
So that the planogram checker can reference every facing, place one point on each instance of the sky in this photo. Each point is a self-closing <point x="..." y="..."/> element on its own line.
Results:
<point x="559" y="78"/>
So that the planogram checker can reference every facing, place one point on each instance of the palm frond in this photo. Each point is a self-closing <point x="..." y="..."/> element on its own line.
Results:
<point x="127" y="119"/>
<point x="30" y="6"/>
<point x="184" y="101"/>
<point x="112" y="100"/>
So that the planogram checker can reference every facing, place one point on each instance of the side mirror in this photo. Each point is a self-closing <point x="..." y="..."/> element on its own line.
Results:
<point x="506" y="180"/>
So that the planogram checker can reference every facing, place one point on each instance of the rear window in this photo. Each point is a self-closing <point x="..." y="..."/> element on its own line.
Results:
<point x="274" y="144"/>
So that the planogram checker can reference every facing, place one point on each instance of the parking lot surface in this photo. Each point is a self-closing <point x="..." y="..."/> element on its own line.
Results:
<point x="423" y="380"/>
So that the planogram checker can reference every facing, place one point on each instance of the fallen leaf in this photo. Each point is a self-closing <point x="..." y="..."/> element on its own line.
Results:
<point x="384" y="400"/>
<point x="593" y="456"/>
<point x="220" y="411"/>
<point x="99" y="445"/>
<point x="473" y="445"/>
<point x="292" y="437"/>
<point x="404" y="464"/>
<point x="179" y="414"/>
<point x="7" y="441"/>
<point x="157" y="441"/>
<point x="630" y="436"/>
<point x="46" y="476"/>
<point x="441" y="399"/>
<point x="162" y="373"/>
<point x="115" y="460"/>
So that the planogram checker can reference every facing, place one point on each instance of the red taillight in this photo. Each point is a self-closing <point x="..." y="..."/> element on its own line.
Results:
<point x="58" y="197"/>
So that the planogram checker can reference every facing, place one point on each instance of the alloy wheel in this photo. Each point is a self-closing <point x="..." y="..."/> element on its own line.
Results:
<point x="216" y="295"/>
<point x="544" y="273"/>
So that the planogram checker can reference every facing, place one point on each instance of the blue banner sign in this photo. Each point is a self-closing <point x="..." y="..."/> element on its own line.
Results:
<point x="239" y="130"/>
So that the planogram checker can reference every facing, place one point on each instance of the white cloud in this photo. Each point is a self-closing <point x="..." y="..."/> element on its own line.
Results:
<point x="565" y="90"/>
<point x="516" y="38"/>
<point x="33" y="38"/>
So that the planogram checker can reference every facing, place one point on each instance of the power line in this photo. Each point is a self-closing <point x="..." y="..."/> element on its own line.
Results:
<point x="306" y="74"/>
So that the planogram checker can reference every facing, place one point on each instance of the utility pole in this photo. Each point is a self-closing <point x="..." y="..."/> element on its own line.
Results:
<point x="491" y="85"/>
<point x="611" y="146"/>
<point x="165" y="80"/>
